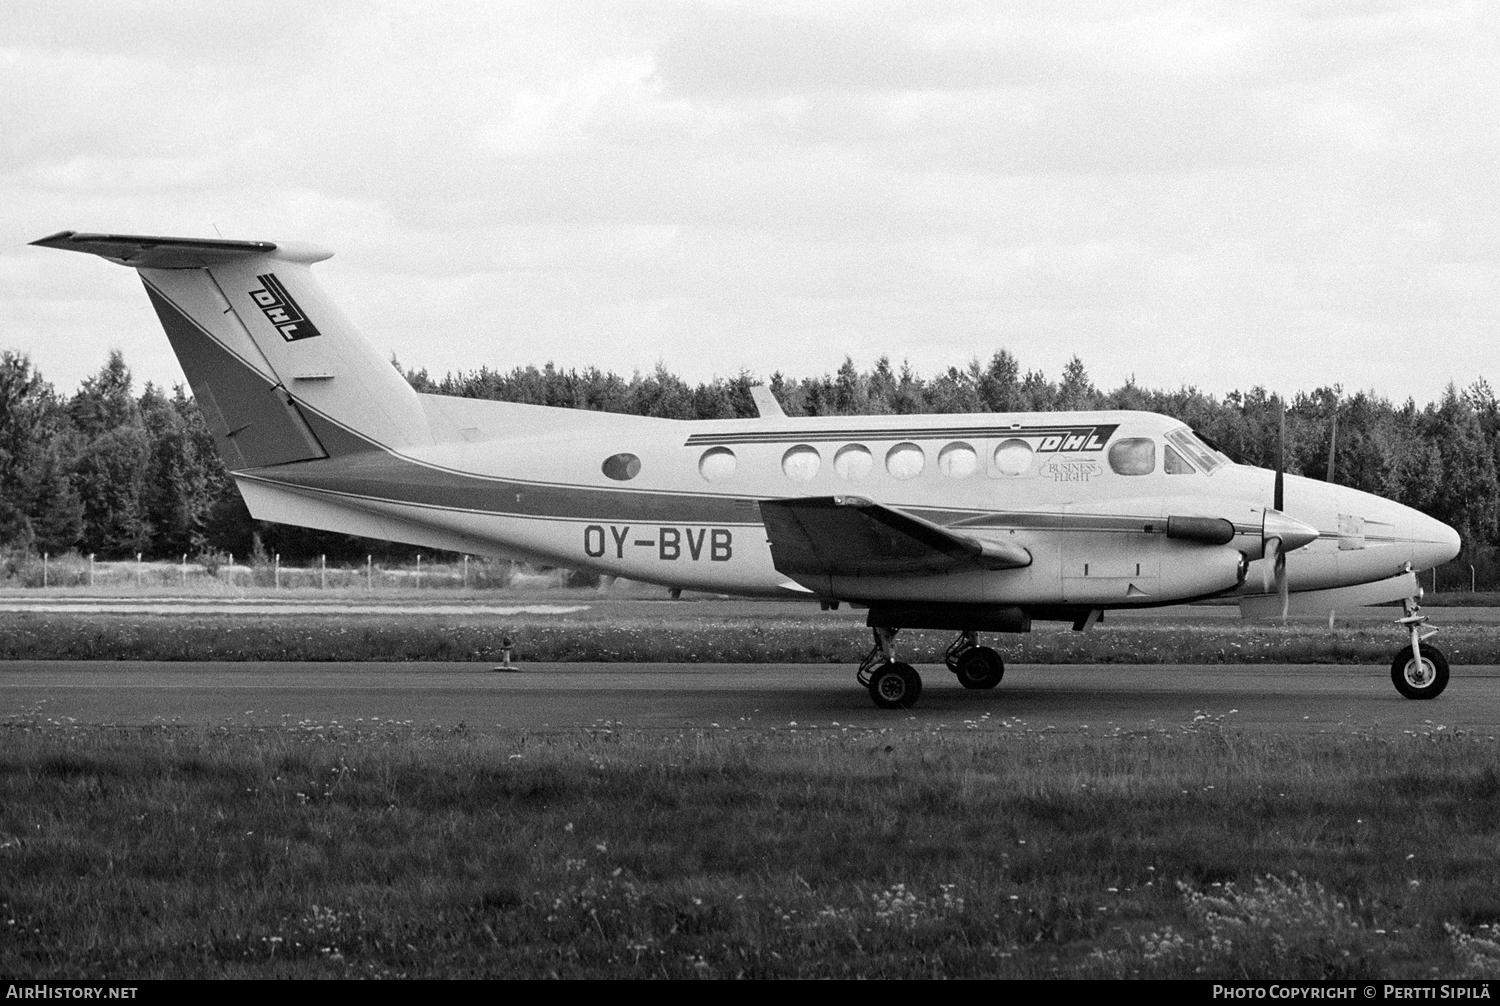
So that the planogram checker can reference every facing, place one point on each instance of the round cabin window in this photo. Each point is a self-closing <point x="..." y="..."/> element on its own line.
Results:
<point x="957" y="461"/>
<point x="801" y="463"/>
<point x="717" y="464"/>
<point x="905" y="461"/>
<point x="853" y="462"/>
<point x="1013" y="457"/>
<point x="622" y="467"/>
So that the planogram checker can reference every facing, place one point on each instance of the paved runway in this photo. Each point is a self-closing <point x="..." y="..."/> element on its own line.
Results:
<point x="1289" y="698"/>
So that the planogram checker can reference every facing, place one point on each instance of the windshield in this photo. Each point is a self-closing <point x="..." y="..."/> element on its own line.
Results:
<point x="1199" y="453"/>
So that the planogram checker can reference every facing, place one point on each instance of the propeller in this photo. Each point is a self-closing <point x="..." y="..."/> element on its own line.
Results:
<point x="1281" y="533"/>
<point x="1281" y="458"/>
<point x="1281" y="587"/>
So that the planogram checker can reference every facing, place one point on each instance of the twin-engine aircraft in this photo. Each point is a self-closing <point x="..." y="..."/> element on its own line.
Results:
<point x="974" y="523"/>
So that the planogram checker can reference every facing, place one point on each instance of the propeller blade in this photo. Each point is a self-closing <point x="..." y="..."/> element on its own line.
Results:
<point x="1272" y="560"/>
<point x="1281" y="585"/>
<point x="1280" y="499"/>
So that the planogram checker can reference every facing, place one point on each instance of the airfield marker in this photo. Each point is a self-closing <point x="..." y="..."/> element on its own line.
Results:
<point x="506" y="645"/>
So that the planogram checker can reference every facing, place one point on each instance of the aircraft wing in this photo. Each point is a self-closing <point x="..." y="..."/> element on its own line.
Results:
<point x="853" y="536"/>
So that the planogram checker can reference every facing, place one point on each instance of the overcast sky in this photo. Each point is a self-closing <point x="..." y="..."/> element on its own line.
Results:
<point x="1220" y="195"/>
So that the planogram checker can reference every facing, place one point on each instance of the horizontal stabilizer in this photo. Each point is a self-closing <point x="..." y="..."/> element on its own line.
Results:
<point x="141" y="251"/>
<point x="852" y="536"/>
<point x="1321" y="602"/>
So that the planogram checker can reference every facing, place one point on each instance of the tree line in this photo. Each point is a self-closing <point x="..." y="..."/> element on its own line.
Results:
<point x="114" y="473"/>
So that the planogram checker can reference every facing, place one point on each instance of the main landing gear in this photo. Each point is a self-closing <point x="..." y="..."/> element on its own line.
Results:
<point x="892" y="684"/>
<point x="1418" y="672"/>
<point x="895" y="685"/>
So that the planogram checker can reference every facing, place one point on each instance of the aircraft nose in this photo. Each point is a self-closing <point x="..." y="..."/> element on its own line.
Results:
<point x="1433" y="542"/>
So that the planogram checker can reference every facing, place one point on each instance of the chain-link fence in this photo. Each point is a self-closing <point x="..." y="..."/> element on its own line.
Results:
<point x="220" y="572"/>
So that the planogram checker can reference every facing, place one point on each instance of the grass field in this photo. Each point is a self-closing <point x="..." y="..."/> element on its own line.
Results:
<point x="990" y="849"/>
<point x="385" y="850"/>
<point x="773" y="633"/>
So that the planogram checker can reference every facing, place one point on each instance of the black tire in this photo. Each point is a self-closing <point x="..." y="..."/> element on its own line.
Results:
<point x="1426" y="682"/>
<point x="895" y="686"/>
<point x="980" y="667"/>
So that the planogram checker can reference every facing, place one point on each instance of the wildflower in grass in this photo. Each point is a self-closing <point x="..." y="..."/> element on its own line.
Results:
<point x="1478" y="955"/>
<point x="1165" y="945"/>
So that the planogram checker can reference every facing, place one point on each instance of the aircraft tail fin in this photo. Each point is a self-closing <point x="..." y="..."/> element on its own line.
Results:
<point x="280" y="373"/>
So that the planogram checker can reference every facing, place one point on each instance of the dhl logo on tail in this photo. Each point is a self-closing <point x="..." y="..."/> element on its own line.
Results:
<point x="281" y="310"/>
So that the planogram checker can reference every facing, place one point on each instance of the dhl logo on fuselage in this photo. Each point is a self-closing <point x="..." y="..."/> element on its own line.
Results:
<point x="1082" y="439"/>
<point x="281" y="310"/>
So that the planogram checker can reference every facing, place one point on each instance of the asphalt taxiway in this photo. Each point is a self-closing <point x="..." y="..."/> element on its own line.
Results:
<point x="1095" y="697"/>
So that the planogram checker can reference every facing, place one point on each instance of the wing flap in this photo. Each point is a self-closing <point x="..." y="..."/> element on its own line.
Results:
<point x="852" y="536"/>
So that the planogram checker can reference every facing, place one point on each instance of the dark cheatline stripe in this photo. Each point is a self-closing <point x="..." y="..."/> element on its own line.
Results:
<point x="892" y="433"/>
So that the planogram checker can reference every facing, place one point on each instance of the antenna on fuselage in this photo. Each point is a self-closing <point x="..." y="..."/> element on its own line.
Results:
<point x="766" y="403"/>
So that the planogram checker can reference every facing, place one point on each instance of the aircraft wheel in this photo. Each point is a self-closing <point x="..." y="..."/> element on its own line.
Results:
<point x="979" y="667"/>
<point x="895" y="686"/>
<point x="1424" y="680"/>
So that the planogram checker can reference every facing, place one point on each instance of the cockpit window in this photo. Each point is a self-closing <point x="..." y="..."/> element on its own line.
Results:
<point x="1135" y="456"/>
<point x="1195" y="450"/>
<point x="1172" y="463"/>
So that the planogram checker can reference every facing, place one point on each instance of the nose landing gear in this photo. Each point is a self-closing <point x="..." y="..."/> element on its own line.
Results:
<point x="976" y="666"/>
<point x="1418" y="672"/>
